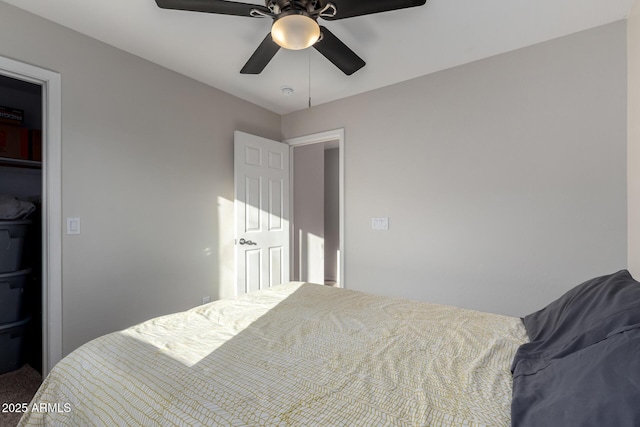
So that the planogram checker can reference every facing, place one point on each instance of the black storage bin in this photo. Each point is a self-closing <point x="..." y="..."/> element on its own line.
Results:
<point x="12" y="289"/>
<point x="12" y="235"/>
<point x="11" y="345"/>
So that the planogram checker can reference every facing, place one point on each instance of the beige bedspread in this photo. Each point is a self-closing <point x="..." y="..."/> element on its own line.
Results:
<point x="297" y="354"/>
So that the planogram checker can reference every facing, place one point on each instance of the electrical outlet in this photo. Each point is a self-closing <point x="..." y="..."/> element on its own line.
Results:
<point x="206" y="300"/>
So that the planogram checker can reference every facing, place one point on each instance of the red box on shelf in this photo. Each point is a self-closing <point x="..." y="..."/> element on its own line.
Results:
<point x="14" y="142"/>
<point x="35" y="145"/>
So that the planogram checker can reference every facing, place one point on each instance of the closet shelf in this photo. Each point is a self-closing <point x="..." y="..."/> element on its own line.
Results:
<point x="20" y="163"/>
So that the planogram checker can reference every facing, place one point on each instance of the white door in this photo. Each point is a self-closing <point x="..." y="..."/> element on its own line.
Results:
<point x="261" y="174"/>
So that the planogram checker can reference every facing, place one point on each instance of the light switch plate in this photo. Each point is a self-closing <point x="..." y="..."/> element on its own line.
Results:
<point x="380" y="223"/>
<point x="73" y="225"/>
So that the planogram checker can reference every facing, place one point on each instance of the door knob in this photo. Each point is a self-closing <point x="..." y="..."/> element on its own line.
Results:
<point x="246" y="242"/>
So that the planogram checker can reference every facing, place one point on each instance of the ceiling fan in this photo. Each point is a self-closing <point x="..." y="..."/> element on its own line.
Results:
<point x="295" y="25"/>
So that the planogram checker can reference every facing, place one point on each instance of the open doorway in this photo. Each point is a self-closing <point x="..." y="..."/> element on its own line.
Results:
<point x="20" y="223"/>
<point x="317" y="208"/>
<point x="45" y="86"/>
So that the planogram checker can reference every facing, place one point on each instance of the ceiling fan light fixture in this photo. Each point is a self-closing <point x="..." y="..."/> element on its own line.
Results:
<point x="295" y="31"/>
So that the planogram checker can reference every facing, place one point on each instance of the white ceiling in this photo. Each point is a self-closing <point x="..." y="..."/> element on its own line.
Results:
<point x="396" y="46"/>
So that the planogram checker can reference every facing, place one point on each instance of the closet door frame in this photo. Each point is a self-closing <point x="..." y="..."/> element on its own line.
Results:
<point x="50" y="82"/>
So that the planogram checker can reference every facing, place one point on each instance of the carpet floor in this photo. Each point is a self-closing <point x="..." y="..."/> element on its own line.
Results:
<point x="17" y="387"/>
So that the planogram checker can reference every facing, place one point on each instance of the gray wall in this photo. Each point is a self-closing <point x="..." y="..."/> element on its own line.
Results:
<point x="504" y="180"/>
<point x="147" y="158"/>
<point x="633" y="126"/>
<point x="308" y="213"/>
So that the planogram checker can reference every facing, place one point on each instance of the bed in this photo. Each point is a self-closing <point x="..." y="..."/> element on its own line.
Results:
<point x="310" y="355"/>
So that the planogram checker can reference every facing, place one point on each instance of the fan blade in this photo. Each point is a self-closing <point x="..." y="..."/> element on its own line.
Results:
<point x="212" y="6"/>
<point x="349" y="8"/>
<point x="339" y="53"/>
<point x="261" y="57"/>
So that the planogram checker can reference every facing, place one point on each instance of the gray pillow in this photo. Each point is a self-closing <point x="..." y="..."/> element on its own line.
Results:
<point x="583" y="315"/>
<point x="581" y="367"/>
<point x="597" y="386"/>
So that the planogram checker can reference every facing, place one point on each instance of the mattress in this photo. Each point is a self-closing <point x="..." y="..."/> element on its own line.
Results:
<point x="296" y="354"/>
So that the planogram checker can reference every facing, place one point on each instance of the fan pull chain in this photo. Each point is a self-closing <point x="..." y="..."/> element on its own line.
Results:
<point x="309" y="106"/>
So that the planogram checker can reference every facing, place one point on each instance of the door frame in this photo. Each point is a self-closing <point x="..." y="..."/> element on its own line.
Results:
<point x="50" y="82"/>
<point x="316" y="138"/>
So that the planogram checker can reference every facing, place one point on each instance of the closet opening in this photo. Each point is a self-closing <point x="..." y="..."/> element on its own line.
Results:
<point x="21" y="222"/>
<point x="30" y="170"/>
